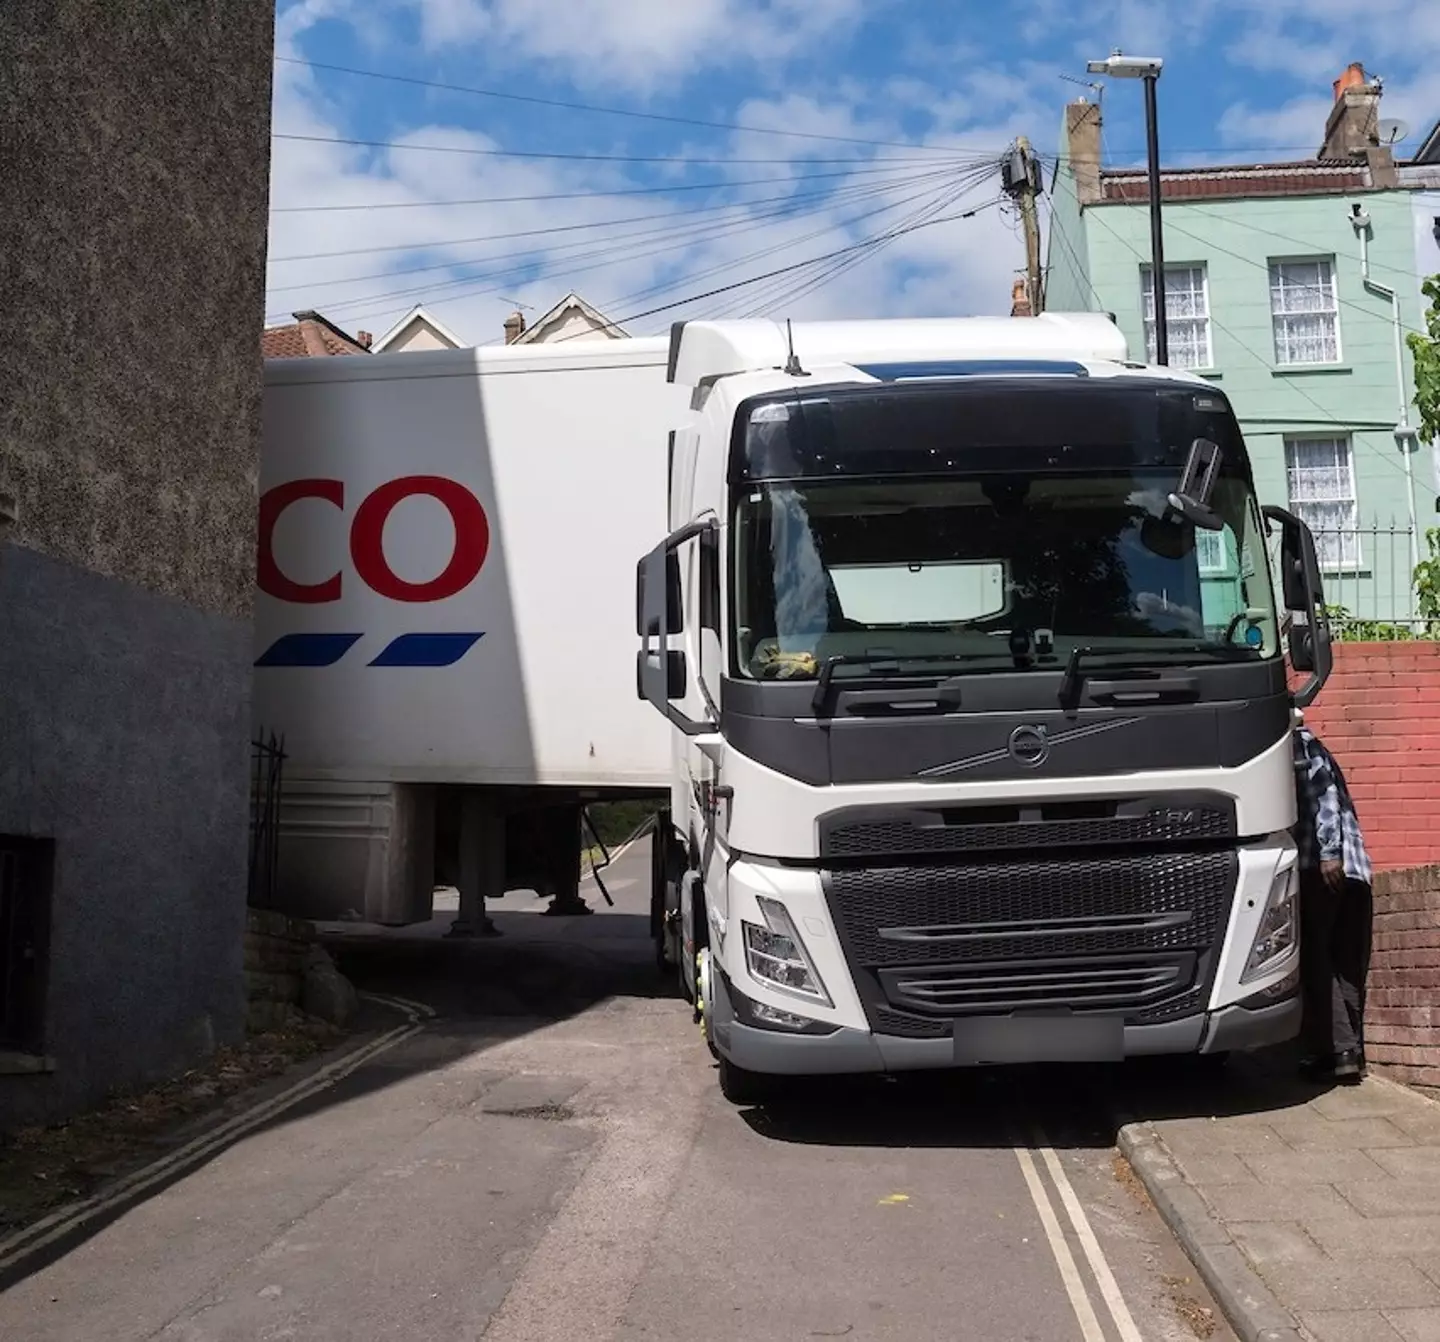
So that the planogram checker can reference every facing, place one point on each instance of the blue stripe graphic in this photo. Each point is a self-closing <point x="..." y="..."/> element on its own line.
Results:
<point x="307" y="650"/>
<point x="426" y="649"/>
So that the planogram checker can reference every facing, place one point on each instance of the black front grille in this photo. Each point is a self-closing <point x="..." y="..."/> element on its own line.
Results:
<point x="1081" y="985"/>
<point x="1135" y="934"/>
<point x="1125" y="822"/>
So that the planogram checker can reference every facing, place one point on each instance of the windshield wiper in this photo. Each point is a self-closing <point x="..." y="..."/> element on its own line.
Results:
<point x="1074" y="677"/>
<point x="1072" y="680"/>
<point x="888" y="665"/>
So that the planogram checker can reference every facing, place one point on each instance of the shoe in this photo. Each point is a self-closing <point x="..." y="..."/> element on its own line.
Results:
<point x="1350" y="1066"/>
<point x="1317" y="1067"/>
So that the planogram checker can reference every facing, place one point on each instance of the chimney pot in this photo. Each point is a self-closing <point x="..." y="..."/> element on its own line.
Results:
<point x="363" y="338"/>
<point x="1353" y="77"/>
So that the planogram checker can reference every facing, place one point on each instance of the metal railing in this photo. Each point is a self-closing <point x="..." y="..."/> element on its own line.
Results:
<point x="267" y="767"/>
<point x="1368" y="574"/>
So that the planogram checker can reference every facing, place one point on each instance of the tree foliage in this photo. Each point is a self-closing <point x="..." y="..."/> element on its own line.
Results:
<point x="1426" y="351"/>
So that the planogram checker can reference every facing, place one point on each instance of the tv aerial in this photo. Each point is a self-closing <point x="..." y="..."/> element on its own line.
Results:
<point x="1392" y="131"/>
<point x="1094" y="85"/>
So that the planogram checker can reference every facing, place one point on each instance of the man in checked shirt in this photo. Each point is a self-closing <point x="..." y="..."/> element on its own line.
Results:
<point x="1335" y="915"/>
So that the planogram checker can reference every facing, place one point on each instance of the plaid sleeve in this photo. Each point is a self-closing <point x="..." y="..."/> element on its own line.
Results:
<point x="1325" y="798"/>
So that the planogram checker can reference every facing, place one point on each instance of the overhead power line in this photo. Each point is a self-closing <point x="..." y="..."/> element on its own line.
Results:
<point x="474" y="285"/>
<point x="672" y="160"/>
<point x="590" y="108"/>
<point x="857" y="169"/>
<point x="788" y="206"/>
<point x="896" y="178"/>
<point x="755" y="279"/>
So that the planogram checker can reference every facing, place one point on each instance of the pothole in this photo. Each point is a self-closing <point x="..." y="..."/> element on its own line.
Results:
<point x="549" y="1113"/>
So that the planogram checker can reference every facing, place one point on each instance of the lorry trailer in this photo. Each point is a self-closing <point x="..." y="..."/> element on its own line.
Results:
<point x="975" y="678"/>
<point x="443" y="622"/>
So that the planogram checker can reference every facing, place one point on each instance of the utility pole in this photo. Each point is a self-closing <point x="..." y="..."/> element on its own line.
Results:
<point x="1020" y="175"/>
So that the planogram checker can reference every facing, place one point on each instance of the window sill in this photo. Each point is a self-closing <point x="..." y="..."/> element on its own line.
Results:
<point x="13" y="1063"/>
<point x="1209" y="374"/>
<point x="1310" y="369"/>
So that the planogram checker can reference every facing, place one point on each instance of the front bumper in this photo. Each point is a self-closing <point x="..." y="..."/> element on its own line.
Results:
<point x="846" y="1050"/>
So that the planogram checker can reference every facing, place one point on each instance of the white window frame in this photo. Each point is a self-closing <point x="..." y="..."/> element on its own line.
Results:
<point x="1204" y="553"/>
<point x="1147" y="312"/>
<point x="1346" y="555"/>
<point x="1276" y="267"/>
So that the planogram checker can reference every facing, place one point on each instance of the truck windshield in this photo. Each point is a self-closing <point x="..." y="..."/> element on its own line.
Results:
<point x="1002" y="570"/>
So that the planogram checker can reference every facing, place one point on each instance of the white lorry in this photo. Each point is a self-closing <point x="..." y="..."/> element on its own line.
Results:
<point x="445" y="612"/>
<point x="981" y="730"/>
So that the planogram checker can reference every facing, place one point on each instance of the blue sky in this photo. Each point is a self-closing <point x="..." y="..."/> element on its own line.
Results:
<point x="919" y="98"/>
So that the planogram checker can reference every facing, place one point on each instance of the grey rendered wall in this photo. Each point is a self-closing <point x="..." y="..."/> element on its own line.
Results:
<point x="136" y="150"/>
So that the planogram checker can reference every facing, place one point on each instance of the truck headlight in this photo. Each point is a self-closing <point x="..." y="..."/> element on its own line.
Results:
<point x="776" y="956"/>
<point x="1279" y="930"/>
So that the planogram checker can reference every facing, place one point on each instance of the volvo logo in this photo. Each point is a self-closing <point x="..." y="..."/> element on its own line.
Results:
<point x="1029" y="746"/>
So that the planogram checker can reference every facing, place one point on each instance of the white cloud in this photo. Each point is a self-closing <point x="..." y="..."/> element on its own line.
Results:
<point x="639" y="44"/>
<point x="953" y="267"/>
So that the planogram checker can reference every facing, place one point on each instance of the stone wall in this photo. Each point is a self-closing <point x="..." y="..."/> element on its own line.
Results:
<point x="1402" y="1010"/>
<point x="1379" y="714"/>
<point x="276" y="948"/>
<point x="137" y="145"/>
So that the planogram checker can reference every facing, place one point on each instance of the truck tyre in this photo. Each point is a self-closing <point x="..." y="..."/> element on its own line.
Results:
<point x="746" y="1088"/>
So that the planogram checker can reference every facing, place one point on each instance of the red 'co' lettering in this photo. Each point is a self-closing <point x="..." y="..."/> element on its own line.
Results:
<point x="472" y="539"/>
<point x="268" y="576"/>
<point x="367" y="540"/>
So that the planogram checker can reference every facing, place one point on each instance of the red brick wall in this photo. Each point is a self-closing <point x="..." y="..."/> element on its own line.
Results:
<point x="1402" y="1009"/>
<point x="1379" y="714"/>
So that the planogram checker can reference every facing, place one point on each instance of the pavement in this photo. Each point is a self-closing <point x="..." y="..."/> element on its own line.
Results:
<point x="1312" y="1212"/>
<point x="549" y="1157"/>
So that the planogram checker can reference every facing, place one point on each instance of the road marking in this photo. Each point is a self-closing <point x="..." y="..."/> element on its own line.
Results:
<point x="70" y="1218"/>
<point x="1109" y="1288"/>
<point x="1069" y="1273"/>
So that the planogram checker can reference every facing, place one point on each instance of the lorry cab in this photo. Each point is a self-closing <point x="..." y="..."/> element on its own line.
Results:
<point x="967" y="635"/>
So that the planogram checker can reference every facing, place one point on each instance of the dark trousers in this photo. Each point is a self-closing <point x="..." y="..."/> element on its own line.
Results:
<point x="1334" y="961"/>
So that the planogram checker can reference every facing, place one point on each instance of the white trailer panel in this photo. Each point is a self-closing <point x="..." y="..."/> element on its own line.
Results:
<point x="447" y="563"/>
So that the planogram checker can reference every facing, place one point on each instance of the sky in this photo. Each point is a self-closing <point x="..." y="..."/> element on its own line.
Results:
<point x="789" y="158"/>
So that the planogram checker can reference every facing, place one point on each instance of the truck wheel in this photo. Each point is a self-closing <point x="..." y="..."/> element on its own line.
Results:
<point x="745" y="1088"/>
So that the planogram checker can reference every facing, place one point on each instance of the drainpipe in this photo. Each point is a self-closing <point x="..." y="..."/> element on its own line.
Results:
<point x="1405" y="435"/>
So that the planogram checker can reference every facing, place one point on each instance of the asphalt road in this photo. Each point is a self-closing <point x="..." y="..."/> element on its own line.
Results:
<point x="551" y="1159"/>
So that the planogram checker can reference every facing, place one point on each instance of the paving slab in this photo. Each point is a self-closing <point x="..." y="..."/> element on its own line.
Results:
<point x="1310" y="1212"/>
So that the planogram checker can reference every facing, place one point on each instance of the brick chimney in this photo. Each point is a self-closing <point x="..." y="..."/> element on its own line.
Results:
<point x="1082" y="138"/>
<point x="1354" y="121"/>
<point x="363" y="338"/>
<point x="514" y="327"/>
<point x="1020" y="298"/>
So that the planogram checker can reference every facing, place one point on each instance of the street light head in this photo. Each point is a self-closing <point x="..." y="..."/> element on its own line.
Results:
<point x="1119" y="66"/>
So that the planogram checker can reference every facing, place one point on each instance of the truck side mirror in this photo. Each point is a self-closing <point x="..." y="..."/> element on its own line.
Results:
<point x="661" y="672"/>
<point x="1309" y="639"/>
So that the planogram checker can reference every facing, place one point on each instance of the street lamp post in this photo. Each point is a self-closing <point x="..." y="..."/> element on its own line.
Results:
<point x="1147" y="68"/>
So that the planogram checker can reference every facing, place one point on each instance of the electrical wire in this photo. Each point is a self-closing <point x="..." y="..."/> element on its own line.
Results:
<point x="427" y="244"/>
<point x="466" y="286"/>
<point x="669" y="160"/>
<point x="859" y="167"/>
<point x="605" y="254"/>
<point x="754" y="279"/>
<point x="825" y="274"/>
<point x="589" y="108"/>
<point x="785" y="203"/>
<point x="964" y="183"/>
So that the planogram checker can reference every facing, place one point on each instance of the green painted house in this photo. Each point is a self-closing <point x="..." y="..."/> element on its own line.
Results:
<point x="1290" y="286"/>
